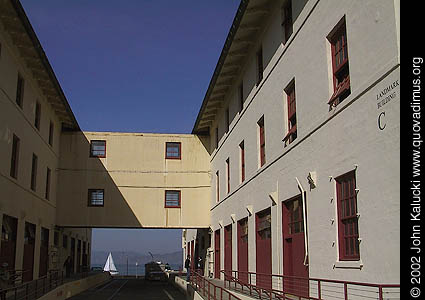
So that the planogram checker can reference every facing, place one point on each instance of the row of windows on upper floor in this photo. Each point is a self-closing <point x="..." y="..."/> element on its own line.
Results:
<point x="342" y="89"/>
<point x="14" y="168"/>
<point x="19" y="99"/>
<point x="98" y="149"/>
<point x="96" y="198"/>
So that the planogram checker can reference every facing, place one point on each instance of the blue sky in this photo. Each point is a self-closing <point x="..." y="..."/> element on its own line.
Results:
<point x="133" y="66"/>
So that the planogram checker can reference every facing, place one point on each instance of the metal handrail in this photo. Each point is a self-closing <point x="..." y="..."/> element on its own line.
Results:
<point x="209" y="290"/>
<point x="38" y="287"/>
<point x="287" y="287"/>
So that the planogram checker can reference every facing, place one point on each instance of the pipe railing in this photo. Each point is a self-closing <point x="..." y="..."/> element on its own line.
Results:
<point x="209" y="290"/>
<point x="270" y="286"/>
<point x="38" y="287"/>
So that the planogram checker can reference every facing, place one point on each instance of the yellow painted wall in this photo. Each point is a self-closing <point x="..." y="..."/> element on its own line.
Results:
<point x="134" y="176"/>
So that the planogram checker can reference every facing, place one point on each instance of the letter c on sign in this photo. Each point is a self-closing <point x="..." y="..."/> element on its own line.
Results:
<point x="380" y="125"/>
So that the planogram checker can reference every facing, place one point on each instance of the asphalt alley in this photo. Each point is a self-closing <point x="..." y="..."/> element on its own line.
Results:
<point x="126" y="289"/>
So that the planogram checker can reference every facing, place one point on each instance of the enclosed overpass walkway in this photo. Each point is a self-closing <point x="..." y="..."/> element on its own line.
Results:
<point x="132" y="288"/>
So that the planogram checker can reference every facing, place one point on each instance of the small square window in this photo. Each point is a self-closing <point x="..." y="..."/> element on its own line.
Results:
<point x="98" y="149"/>
<point x="173" y="150"/>
<point x="172" y="199"/>
<point x="96" y="197"/>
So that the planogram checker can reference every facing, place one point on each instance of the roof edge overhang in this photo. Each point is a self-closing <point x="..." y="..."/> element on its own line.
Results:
<point x="229" y="40"/>
<point x="69" y="122"/>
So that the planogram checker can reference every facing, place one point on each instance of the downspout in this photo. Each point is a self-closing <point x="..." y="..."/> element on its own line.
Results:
<point x="304" y="221"/>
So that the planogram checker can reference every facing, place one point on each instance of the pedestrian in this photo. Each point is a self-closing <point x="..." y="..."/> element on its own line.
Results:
<point x="200" y="266"/>
<point x="68" y="265"/>
<point x="187" y="266"/>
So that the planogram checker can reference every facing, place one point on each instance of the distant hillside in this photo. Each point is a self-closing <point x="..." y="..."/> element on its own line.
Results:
<point x="120" y="257"/>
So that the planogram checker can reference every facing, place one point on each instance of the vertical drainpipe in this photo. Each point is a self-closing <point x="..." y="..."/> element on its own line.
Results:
<point x="304" y="221"/>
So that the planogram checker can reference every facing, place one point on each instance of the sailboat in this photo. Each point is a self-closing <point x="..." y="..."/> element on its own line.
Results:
<point x="110" y="266"/>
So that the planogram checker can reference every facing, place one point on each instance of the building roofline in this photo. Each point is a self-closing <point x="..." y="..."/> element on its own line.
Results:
<point x="229" y="40"/>
<point x="42" y="55"/>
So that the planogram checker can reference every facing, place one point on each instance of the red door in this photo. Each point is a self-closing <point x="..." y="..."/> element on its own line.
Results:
<point x="217" y="253"/>
<point x="29" y="245"/>
<point x="264" y="249"/>
<point x="243" y="250"/>
<point x="228" y="250"/>
<point x="294" y="247"/>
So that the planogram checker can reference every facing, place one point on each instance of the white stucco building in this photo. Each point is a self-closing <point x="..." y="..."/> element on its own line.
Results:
<point x="303" y="115"/>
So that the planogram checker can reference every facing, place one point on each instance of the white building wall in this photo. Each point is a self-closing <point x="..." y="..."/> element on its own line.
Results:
<point x="329" y="143"/>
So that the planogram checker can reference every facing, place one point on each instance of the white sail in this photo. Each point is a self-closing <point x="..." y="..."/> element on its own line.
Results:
<point x="110" y="266"/>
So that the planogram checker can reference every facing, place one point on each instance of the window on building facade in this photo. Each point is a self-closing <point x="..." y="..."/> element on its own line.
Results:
<point x="37" y="115"/>
<point x="51" y="132"/>
<point x="56" y="238"/>
<point x="217" y="186"/>
<point x="96" y="197"/>
<point x="241" y="97"/>
<point x="172" y="199"/>
<point x="340" y="68"/>
<point x="228" y="174"/>
<point x="348" y="229"/>
<point x="20" y="91"/>
<point x="216" y="137"/>
<point x="260" y="67"/>
<point x="34" y="172"/>
<point x="48" y="178"/>
<point x="173" y="150"/>
<point x="262" y="141"/>
<point x="98" y="148"/>
<point x="14" y="161"/>
<point x="291" y="135"/>
<point x="287" y="24"/>
<point x="295" y="218"/>
<point x="227" y="116"/>
<point x="242" y="154"/>
<point x="65" y="241"/>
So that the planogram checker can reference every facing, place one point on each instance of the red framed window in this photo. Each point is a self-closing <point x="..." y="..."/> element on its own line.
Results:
<point x="98" y="148"/>
<point x="348" y="228"/>
<point x="217" y="186"/>
<point x="228" y="174"/>
<point x="287" y="23"/>
<point x="262" y="141"/>
<point x="292" y="114"/>
<point x="242" y="153"/>
<point x="37" y="115"/>
<point x="48" y="178"/>
<point x="173" y="150"/>
<point x="14" y="160"/>
<point x="295" y="218"/>
<point x="172" y="199"/>
<point x="34" y="172"/>
<point x="341" y="74"/>
<point x="260" y="66"/>
<point x="20" y="91"/>
<point x="96" y="197"/>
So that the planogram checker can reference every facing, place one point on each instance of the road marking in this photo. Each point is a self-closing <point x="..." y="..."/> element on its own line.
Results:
<point x="116" y="292"/>
<point x="168" y="295"/>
